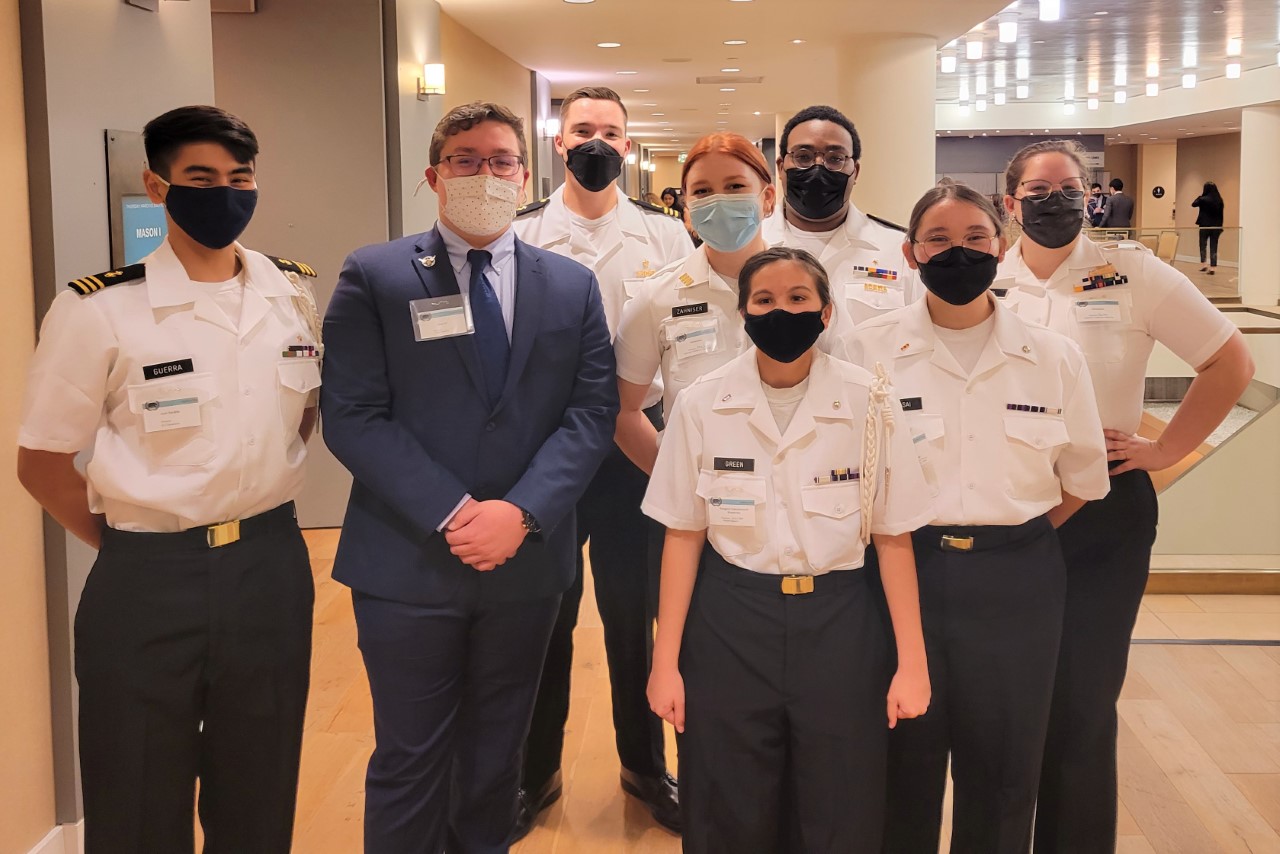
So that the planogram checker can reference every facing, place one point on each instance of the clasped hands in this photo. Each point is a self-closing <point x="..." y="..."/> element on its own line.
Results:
<point x="485" y="534"/>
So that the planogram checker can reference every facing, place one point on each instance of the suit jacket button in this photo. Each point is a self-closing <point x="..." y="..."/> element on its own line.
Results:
<point x="491" y="426"/>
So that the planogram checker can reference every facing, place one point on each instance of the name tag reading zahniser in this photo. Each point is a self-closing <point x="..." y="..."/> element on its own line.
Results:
<point x="170" y="414"/>
<point x="441" y="317"/>
<point x="1098" y="311"/>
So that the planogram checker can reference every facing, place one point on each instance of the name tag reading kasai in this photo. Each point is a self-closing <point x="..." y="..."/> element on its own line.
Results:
<point x="912" y="404"/>
<point x="733" y="464"/>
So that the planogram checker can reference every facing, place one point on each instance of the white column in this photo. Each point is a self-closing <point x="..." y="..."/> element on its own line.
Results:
<point x="886" y="86"/>
<point x="1259" y="205"/>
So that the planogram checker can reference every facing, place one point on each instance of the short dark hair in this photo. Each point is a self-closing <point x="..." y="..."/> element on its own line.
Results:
<point x="1117" y="184"/>
<point x="1095" y="186"/>
<point x="821" y="113"/>
<point x="592" y="93"/>
<point x="467" y="116"/>
<point x="949" y="189"/>
<point x="760" y="260"/>
<point x="164" y="135"/>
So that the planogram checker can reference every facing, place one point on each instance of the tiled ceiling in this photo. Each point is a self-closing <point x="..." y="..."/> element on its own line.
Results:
<point x="1106" y="45"/>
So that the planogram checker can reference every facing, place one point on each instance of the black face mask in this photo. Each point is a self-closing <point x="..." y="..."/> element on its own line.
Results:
<point x="816" y="193"/>
<point x="960" y="275"/>
<point x="595" y="164"/>
<point x="1055" y="222"/>
<point x="782" y="335"/>
<point x="211" y="216"/>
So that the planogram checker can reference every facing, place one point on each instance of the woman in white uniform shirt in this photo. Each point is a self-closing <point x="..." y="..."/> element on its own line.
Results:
<point x="1116" y="300"/>
<point x="772" y="654"/>
<point x="1003" y="417"/>
<point x="684" y="321"/>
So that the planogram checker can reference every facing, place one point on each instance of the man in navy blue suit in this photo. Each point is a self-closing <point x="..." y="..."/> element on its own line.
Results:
<point x="469" y="388"/>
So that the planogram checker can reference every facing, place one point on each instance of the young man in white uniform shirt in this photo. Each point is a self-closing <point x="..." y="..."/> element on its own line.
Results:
<point x="190" y="380"/>
<point x="624" y="242"/>
<point x="818" y="164"/>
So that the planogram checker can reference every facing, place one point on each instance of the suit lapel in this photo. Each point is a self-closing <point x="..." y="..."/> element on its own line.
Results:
<point x="531" y="289"/>
<point x="431" y="263"/>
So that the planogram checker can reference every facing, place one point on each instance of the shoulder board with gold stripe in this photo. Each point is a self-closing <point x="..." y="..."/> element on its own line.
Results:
<point x="293" y="266"/>
<point x="649" y="206"/>
<point x="531" y="207"/>
<point x="886" y="223"/>
<point x="92" y="284"/>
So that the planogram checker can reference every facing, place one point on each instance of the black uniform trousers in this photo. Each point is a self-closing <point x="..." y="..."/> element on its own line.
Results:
<point x="1209" y="241"/>
<point x="193" y="662"/>
<point x="1107" y="548"/>
<point x="453" y="687"/>
<point x="992" y="621"/>
<point x="785" y="723"/>
<point x="624" y="568"/>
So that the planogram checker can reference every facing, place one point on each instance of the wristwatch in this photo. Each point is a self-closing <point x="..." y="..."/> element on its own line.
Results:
<point x="531" y="525"/>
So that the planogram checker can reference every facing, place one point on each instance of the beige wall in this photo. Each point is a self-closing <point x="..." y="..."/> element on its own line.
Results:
<point x="1122" y="163"/>
<point x="477" y="71"/>
<point x="667" y="174"/>
<point x="26" y="738"/>
<point x="1157" y="167"/>
<point x="1209" y="158"/>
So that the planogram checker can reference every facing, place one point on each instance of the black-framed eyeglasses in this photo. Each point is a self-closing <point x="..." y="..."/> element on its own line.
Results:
<point x="978" y="241"/>
<point x="803" y="158"/>
<point x="1038" y="191"/>
<point x="501" y="165"/>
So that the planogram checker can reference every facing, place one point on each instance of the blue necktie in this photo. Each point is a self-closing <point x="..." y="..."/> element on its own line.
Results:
<point x="491" y="330"/>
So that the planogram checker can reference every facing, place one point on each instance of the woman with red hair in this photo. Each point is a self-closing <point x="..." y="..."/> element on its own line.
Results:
<point x="684" y="321"/>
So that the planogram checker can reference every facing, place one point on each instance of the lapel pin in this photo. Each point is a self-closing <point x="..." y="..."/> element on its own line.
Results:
<point x="904" y="346"/>
<point x="835" y="404"/>
<point x="428" y="262"/>
<point x="1026" y="349"/>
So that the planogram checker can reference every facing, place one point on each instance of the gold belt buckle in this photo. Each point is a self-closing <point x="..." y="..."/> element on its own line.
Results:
<point x="795" y="585"/>
<point x="224" y="534"/>
<point x="959" y="544"/>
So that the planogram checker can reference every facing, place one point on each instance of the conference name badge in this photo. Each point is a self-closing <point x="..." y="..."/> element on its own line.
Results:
<point x="441" y="317"/>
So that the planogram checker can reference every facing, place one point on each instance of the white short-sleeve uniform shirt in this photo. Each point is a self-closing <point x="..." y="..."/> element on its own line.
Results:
<point x="782" y="504"/>
<point x="624" y="248"/>
<point x="999" y="444"/>
<point x="1143" y="300"/>
<point x="190" y="418"/>
<point x="864" y="262"/>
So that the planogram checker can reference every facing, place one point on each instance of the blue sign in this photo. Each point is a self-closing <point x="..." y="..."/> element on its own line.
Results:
<point x="144" y="227"/>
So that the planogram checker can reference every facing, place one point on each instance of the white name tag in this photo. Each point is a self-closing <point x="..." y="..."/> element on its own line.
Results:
<point x="170" y="413"/>
<point x="441" y="317"/>
<point x="734" y="512"/>
<point x="1098" y="311"/>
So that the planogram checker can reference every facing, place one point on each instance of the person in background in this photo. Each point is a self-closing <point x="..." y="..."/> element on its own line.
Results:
<point x="1209" y="219"/>
<point x="776" y="473"/>
<point x="819" y="159"/>
<point x="189" y="382"/>
<point x="1118" y="210"/>
<point x="624" y="242"/>
<point x="671" y="199"/>
<point x="470" y="391"/>
<point x="684" y="322"/>
<point x="1002" y="415"/>
<point x="1097" y="204"/>
<point x="1116" y="301"/>
<point x="652" y="199"/>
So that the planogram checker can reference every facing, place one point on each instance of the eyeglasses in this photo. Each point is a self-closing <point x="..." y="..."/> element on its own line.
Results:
<point x="939" y="243"/>
<point x="501" y="165"/>
<point x="803" y="158"/>
<point x="1038" y="191"/>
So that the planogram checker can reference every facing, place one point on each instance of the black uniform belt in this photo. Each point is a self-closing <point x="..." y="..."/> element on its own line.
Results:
<point x="654" y="414"/>
<point x="978" y="538"/>
<point x="790" y="585"/>
<point x="206" y="536"/>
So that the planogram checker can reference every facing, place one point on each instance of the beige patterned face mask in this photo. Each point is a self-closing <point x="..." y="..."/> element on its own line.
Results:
<point x="480" y="204"/>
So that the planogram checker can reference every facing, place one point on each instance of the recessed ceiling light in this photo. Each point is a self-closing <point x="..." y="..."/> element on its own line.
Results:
<point x="728" y="89"/>
<point x="722" y="122"/>
<point x="1038" y="41"/>
<point x="729" y="70"/>
<point x="639" y="90"/>
<point x="657" y="114"/>
<point x="756" y="113"/>
<point x="797" y="41"/>
<point x="725" y="104"/>
<point x="628" y="72"/>
<point x="1103" y="12"/>
<point x="579" y="2"/>
<point x="735" y="41"/>
<point x="651" y="105"/>
<point x="608" y="44"/>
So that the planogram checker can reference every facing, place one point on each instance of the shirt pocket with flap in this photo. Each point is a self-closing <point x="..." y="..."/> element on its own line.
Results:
<point x="193" y="445"/>
<point x="1100" y="323"/>
<point x="1034" y="442"/>
<point x="735" y="506"/>
<point x="695" y="344"/>
<point x="298" y="379"/>
<point x="831" y="529"/>
<point x="928" y="432"/>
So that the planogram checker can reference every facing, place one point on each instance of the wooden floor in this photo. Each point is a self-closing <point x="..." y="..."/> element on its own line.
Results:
<point x="1199" y="736"/>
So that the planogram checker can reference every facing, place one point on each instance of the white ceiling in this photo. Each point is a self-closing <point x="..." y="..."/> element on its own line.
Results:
<point x="670" y="43"/>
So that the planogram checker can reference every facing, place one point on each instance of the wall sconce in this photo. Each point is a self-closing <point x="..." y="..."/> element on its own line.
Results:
<point x="432" y="80"/>
<point x="551" y="129"/>
<point x="644" y="165"/>
<point x="631" y="159"/>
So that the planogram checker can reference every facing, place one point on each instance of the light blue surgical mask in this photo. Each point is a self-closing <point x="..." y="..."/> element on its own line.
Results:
<point x="726" y="222"/>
